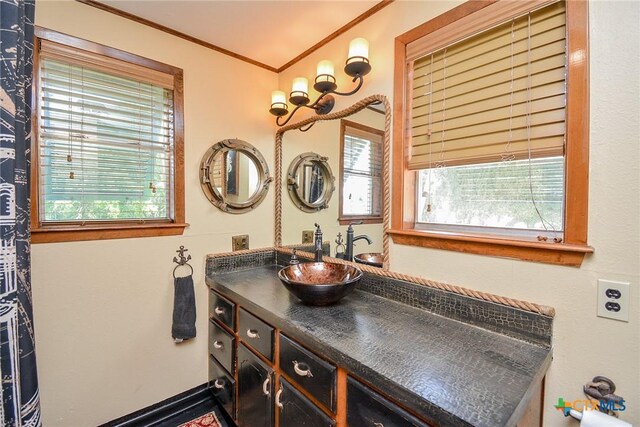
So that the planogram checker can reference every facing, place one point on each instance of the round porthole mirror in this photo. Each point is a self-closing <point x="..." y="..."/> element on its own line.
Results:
<point x="234" y="176"/>
<point x="310" y="182"/>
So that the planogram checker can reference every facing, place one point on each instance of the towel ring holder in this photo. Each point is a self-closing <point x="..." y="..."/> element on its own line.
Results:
<point x="182" y="265"/>
<point x="182" y="261"/>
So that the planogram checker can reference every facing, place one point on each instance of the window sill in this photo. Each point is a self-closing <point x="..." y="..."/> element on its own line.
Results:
<point x="346" y="220"/>
<point x="74" y="233"/>
<point x="525" y="250"/>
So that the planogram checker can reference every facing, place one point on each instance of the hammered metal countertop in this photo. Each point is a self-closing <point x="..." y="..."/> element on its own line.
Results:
<point x="450" y="372"/>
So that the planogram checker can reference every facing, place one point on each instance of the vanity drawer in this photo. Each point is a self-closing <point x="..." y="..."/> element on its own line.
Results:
<point x="221" y="345"/>
<point x="222" y="310"/>
<point x="366" y="408"/>
<point x="256" y="334"/>
<point x="222" y="386"/>
<point x="309" y="371"/>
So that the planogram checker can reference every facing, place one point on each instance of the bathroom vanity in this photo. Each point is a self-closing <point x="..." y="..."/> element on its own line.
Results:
<point x="392" y="353"/>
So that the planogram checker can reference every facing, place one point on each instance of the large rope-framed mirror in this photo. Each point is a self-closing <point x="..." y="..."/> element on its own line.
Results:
<point x="379" y="102"/>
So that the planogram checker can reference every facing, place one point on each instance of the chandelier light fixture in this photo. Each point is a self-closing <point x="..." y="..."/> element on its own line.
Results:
<point x="357" y="66"/>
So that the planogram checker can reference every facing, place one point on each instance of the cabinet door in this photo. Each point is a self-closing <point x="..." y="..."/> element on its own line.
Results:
<point x="255" y="398"/>
<point x="298" y="411"/>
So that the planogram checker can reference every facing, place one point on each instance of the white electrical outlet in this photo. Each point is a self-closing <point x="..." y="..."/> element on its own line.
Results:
<point x="613" y="300"/>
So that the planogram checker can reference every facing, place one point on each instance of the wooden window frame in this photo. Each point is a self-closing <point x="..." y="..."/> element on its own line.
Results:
<point x="573" y="248"/>
<point x="101" y="230"/>
<point x="348" y="219"/>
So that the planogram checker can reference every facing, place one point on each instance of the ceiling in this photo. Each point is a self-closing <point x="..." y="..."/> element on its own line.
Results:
<point x="272" y="32"/>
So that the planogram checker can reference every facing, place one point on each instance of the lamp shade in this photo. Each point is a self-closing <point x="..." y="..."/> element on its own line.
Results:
<point x="279" y="105"/>
<point x="299" y="91"/>
<point x="325" y="79"/>
<point x="325" y="68"/>
<point x="359" y="48"/>
<point x="278" y="97"/>
<point x="358" y="59"/>
<point x="300" y="84"/>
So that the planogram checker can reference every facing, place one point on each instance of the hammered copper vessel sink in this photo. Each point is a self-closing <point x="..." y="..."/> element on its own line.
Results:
<point x="372" y="259"/>
<point x="320" y="283"/>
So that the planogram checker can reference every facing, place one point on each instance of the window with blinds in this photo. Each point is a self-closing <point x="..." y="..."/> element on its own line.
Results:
<point x="487" y="125"/>
<point x="361" y="169"/>
<point x="106" y="139"/>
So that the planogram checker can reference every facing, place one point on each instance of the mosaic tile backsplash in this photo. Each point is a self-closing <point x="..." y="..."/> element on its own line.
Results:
<point x="531" y="327"/>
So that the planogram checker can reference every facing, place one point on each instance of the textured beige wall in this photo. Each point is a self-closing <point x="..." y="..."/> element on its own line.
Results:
<point x="584" y="345"/>
<point x="103" y="308"/>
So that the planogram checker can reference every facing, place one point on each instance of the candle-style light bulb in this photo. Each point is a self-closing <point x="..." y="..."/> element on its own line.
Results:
<point x="299" y="91"/>
<point x="359" y="47"/>
<point x="300" y="84"/>
<point x="358" y="59"/>
<point x="325" y="68"/>
<point x="325" y="77"/>
<point x="279" y="105"/>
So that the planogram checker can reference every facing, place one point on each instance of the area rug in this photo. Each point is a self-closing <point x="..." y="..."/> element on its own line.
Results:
<point x="207" y="420"/>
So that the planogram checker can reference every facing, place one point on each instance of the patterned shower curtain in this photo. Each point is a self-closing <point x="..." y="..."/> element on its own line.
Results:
<point x="19" y="398"/>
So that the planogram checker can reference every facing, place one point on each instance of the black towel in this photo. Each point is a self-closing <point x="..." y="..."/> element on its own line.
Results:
<point x="184" y="309"/>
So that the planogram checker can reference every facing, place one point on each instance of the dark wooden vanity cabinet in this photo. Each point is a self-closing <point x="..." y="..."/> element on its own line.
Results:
<point x="262" y="378"/>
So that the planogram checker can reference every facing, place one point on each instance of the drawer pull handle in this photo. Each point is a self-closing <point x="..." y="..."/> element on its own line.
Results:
<point x="278" y="397"/>
<point x="252" y="333"/>
<point x="378" y="425"/>
<point x="217" y="384"/>
<point x="301" y="370"/>
<point x="218" y="345"/>
<point x="219" y="311"/>
<point x="265" y="384"/>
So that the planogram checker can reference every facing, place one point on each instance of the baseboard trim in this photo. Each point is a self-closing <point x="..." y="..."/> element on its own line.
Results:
<point x="156" y="413"/>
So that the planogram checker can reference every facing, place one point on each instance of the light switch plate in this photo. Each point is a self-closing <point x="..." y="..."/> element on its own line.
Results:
<point x="240" y="242"/>
<point x="307" y="236"/>
<point x="613" y="300"/>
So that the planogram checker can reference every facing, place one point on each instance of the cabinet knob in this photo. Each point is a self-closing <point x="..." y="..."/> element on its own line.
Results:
<point x="278" y="394"/>
<point x="219" y="311"/>
<point x="265" y="387"/>
<point x="218" y="345"/>
<point x="252" y="333"/>
<point x="217" y="384"/>
<point x="302" y="369"/>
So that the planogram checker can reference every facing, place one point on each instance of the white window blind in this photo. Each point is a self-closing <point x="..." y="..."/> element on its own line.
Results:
<point x="497" y="195"/>
<point x="362" y="172"/>
<point x="106" y="143"/>
<point x="494" y="95"/>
